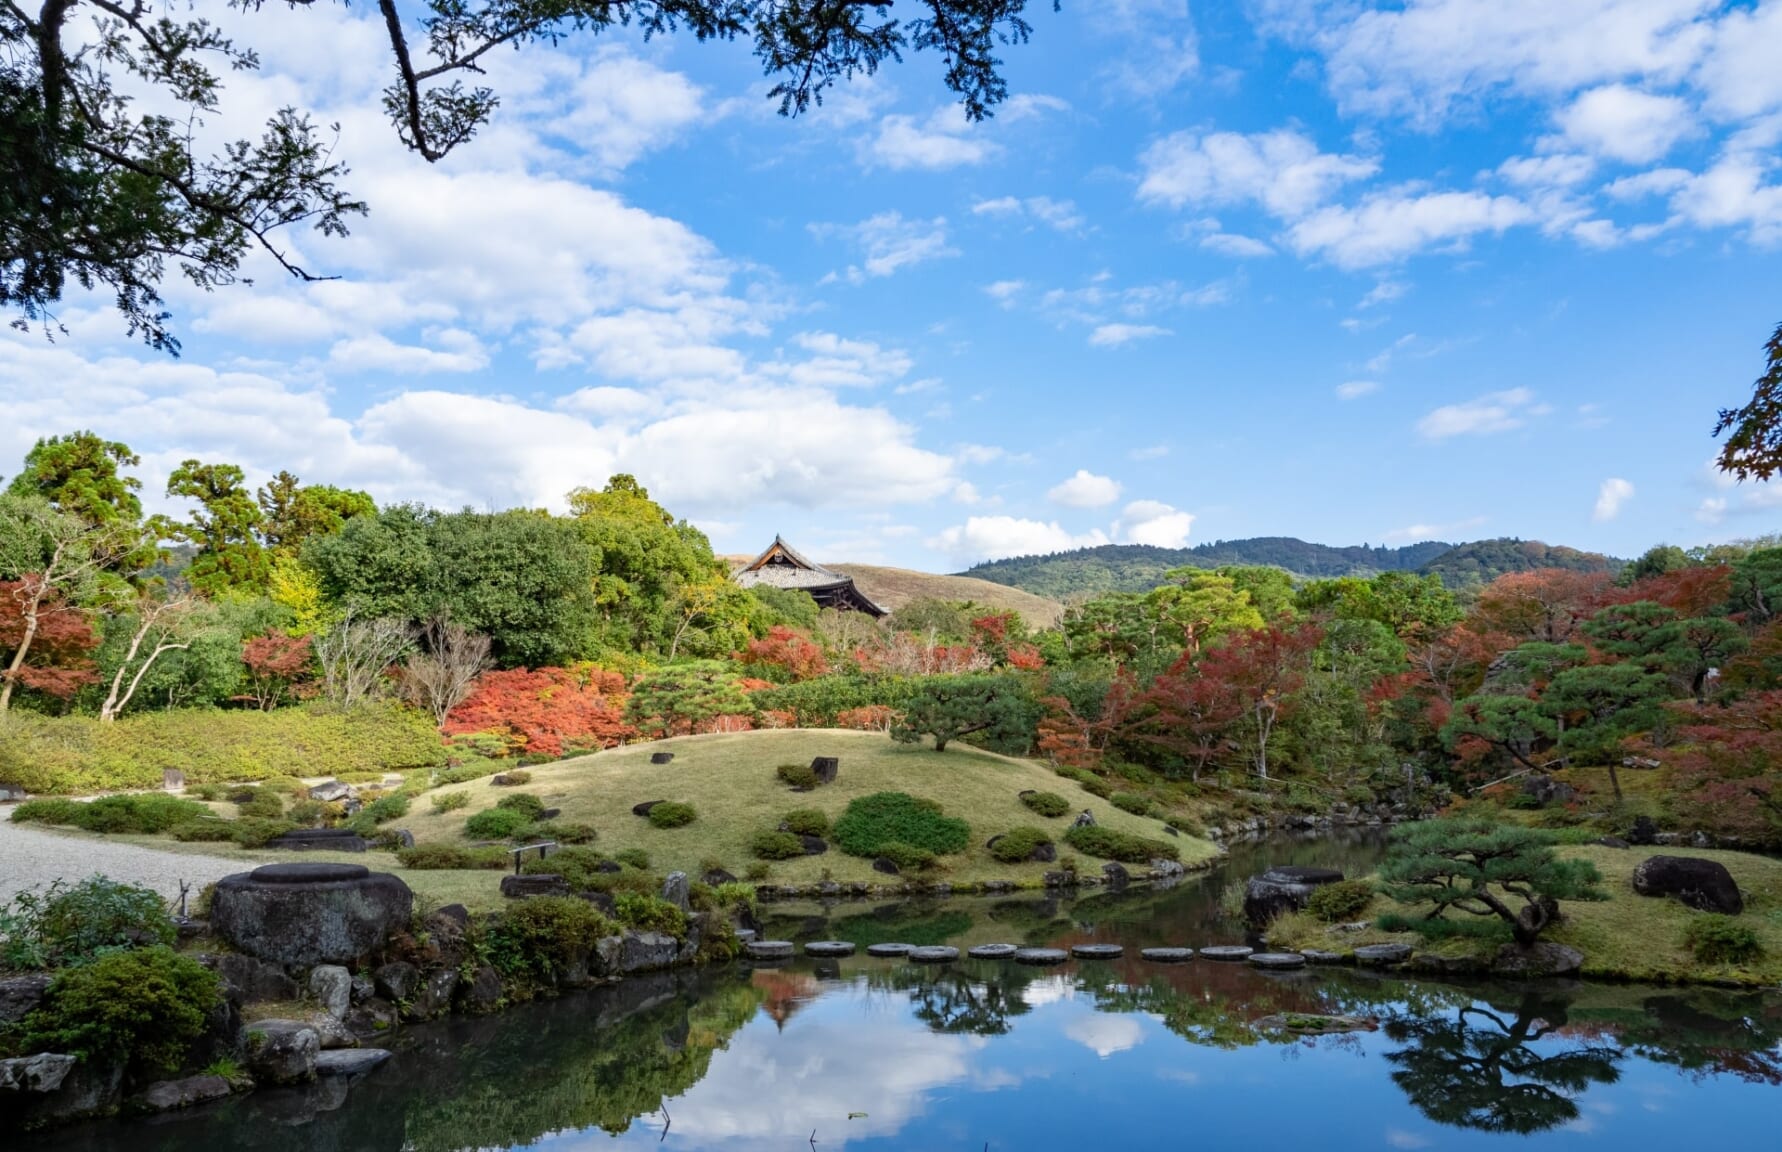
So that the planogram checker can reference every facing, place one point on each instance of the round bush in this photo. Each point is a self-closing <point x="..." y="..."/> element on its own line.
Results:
<point x="633" y="858"/>
<point x="212" y="831"/>
<point x="1046" y="803"/>
<point x="264" y="804"/>
<point x="562" y="831"/>
<point x="671" y="814"/>
<point x="648" y="913"/>
<point x="871" y="822"/>
<point x="49" y="810"/>
<point x="1098" y="788"/>
<point x="1131" y="802"/>
<point x="538" y="939"/>
<point x="145" y="1005"/>
<point x="451" y="801"/>
<point x="776" y="846"/>
<point x="254" y="833"/>
<point x="495" y="823"/>
<point x="1019" y="844"/>
<point x="1344" y="900"/>
<point x="907" y="857"/>
<point x="1717" y="939"/>
<point x="512" y="778"/>
<point x="578" y="866"/>
<point x="386" y="808"/>
<point x="525" y="802"/>
<point x="801" y="776"/>
<point x="1107" y="844"/>
<point x="807" y="822"/>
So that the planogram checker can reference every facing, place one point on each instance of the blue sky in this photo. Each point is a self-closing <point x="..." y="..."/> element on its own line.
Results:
<point x="1346" y="271"/>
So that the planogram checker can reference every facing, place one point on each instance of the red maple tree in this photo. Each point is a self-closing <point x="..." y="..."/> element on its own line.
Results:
<point x="58" y="642"/>
<point x="278" y="665"/>
<point x="547" y="710"/>
<point x="792" y="652"/>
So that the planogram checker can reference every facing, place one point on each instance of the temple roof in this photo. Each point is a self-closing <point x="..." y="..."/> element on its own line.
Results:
<point x="783" y="566"/>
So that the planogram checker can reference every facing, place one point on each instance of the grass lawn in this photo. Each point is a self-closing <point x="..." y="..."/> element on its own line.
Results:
<point x="1627" y="937"/>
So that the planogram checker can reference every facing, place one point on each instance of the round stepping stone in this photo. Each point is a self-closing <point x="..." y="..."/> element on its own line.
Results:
<point x="992" y="951"/>
<point x="936" y="954"/>
<point x="1316" y="956"/>
<point x="1167" y="955"/>
<point x="1097" y="951"/>
<point x="1226" y="952"/>
<point x="1380" y="954"/>
<point x="1278" y="961"/>
<point x="1041" y="956"/>
<point x="829" y="948"/>
<point x="892" y="950"/>
<point x="769" y="949"/>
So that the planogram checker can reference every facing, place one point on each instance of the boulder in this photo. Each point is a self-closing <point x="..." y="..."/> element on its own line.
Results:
<point x="281" y="1051"/>
<point x="332" y="792"/>
<point x="1281" y="890"/>
<point x="397" y="980"/>
<point x="330" y="1032"/>
<point x="247" y="980"/>
<point x="661" y="757"/>
<point x="350" y="1062"/>
<point x="886" y="866"/>
<point x="43" y="1072"/>
<point x="482" y="993"/>
<point x="1546" y="791"/>
<point x="55" y="1089"/>
<point x="637" y="952"/>
<point x="1544" y="958"/>
<point x="10" y="794"/>
<point x="373" y="1017"/>
<point x="544" y="884"/>
<point x="434" y="998"/>
<point x="1643" y="832"/>
<point x="1116" y="874"/>
<point x="676" y="890"/>
<point x="332" y="986"/>
<point x="713" y="877"/>
<point x="1085" y="819"/>
<point x="456" y="912"/>
<point x="20" y="994"/>
<point x="1704" y="885"/>
<point x="306" y="914"/>
<point x="826" y="768"/>
<point x="166" y="1095"/>
<point x="644" y="808"/>
<point x="814" y="845"/>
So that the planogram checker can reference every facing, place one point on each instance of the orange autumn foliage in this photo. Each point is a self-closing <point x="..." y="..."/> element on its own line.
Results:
<point x="547" y="711"/>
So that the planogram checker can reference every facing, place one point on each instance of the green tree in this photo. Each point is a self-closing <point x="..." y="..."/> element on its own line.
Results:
<point x="1513" y="725"/>
<point x="1270" y="589"/>
<point x="685" y="698"/>
<point x="1602" y="705"/>
<point x="292" y="512"/>
<point x="80" y="473"/>
<point x="1754" y="450"/>
<point x="225" y="527"/>
<point x="1659" y="560"/>
<point x="104" y="188"/>
<point x="998" y="710"/>
<point x="1484" y="869"/>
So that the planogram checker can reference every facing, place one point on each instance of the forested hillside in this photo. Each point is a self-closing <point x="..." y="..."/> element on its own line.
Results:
<point x="1139" y="567"/>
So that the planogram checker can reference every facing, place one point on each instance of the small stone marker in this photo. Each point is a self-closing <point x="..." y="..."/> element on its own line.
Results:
<point x="1375" y="955"/>
<point x="1226" y="952"/>
<point x="769" y="949"/>
<point x="1278" y="961"/>
<point x="1097" y="951"/>
<point x="661" y="757"/>
<point x="934" y="954"/>
<point x="677" y="890"/>
<point x="1167" y="955"/>
<point x="992" y="951"/>
<point x="826" y="768"/>
<point x="1041" y="956"/>
<point x="890" y="950"/>
<point x="173" y="779"/>
<point x="829" y="948"/>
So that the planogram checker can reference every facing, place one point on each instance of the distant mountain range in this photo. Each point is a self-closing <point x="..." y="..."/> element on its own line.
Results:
<point x="1139" y="567"/>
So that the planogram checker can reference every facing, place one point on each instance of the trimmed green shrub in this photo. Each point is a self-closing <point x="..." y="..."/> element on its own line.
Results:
<point x="1343" y="900"/>
<point x="1049" y="804"/>
<point x="77" y="754"/>
<point x="359" y="777"/>
<point x="579" y="867"/>
<point x="537" y="940"/>
<point x="495" y="824"/>
<point x="907" y="857"/>
<point x="1131" y="802"/>
<point x="308" y="813"/>
<point x="1108" y="844"/>
<point x="441" y="857"/>
<point x="386" y="808"/>
<point x="671" y="814"/>
<point x="871" y="822"/>
<point x="1445" y="928"/>
<point x="1098" y="788"/>
<point x="287" y="786"/>
<point x="526" y="802"/>
<point x="210" y="831"/>
<point x="47" y="810"/>
<point x="66" y="924"/>
<point x="451" y="801"/>
<point x="757" y="872"/>
<point x="514" y="777"/>
<point x="145" y="1005"/>
<point x="776" y="846"/>
<point x="1018" y="844"/>
<point x="264" y="803"/>
<point x="465" y="773"/>
<point x="634" y="858"/>
<point x="255" y="833"/>
<point x="1716" y="939"/>
<point x="649" y="913"/>
<point x="562" y="831"/>
<point x="801" y="776"/>
<point x="147" y="813"/>
<point x="807" y="822"/>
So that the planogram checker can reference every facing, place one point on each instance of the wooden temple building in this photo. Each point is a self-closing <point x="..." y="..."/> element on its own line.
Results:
<point x="781" y="566"/>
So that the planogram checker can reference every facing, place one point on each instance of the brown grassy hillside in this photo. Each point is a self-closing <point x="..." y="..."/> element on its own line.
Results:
<point x="894" y="587"/>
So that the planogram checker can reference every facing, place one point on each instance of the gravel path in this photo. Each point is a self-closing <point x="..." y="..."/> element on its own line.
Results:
<point x="31" y="858"/>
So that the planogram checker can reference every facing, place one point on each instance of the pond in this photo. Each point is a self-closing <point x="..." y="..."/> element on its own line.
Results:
<point x="882" y="1054"/>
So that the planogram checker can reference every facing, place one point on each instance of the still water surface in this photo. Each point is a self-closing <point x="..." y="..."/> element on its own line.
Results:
<point x="878" y="1054"/>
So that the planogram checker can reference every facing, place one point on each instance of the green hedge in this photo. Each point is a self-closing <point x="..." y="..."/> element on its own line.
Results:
<point x="871" y="822"/>
<point x="1108" y="844"/>
<point x="77" y="754"/>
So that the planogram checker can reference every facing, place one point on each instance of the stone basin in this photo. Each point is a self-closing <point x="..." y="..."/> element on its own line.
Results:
<point x="305" y="914"/>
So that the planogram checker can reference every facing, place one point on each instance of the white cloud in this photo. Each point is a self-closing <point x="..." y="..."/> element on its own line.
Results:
<point x="1735" y="193"/>
<point x="1159" y="46"/>
<point x="945" y="140"/>
<point x="836" y="362"/>
<point x="1384" y="292"/>
<point x="888" y="242"/>
<point x="1114" y="335"/>
<point x="1355" y="389"/>
<point x="1085" y="490"/>
<point x="1447" y="531"/>
<point x="1625" y="123"/>
<point x="1004" y="291"/>
<point x="1155" y="523"/>
<point x="1560" y="170"/>
<point x="1389" y="226"/>
<point x="1236" y="246"/>
<point x="1658" y="182"/>
<point x="1739" y="70"/>
<point x="619" y="108"/>
<point x="997" y="537"/>
<point x="1614" y="493"/>
<point x="1061" y="215"/>
<point x="460" y="352"/>
<point x="1105" y="1033"/>
<point x="1495" y="412"/>
<point x="1282" y="170"/>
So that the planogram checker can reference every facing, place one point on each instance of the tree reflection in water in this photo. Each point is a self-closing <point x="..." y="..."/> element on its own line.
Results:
<point x="1480" y="1069"/>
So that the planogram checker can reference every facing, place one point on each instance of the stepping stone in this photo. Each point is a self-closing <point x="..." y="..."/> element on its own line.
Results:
<point x="1041" y="956"/>
<point x="1278" y="961"/>
<point x="1167" y="955"/>
<point x="769" y="949"/>
<point x="1226" y="952"/>
<point x="744" y="935"/>
<point x="829" y="948"/>
<point x="934" y="955"/>
<point x="891" y="950"/>
<point x="1379" y="955"/>
<point x="1097" y="951"/>
<point x="1315" y="956"/>
<point x="349" y="1061"/>
<point x="992" y="951"/>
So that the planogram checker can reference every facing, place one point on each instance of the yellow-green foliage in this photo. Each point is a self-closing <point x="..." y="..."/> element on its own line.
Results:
<point x="77" y="754"/>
